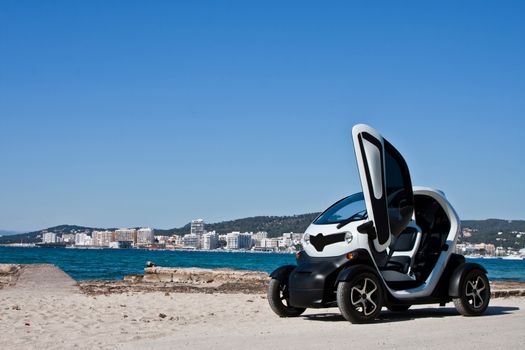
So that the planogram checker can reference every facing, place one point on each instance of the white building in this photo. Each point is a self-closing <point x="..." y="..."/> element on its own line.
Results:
<point x="68" y="238"/>
<point x="270" y="243"/>
<point x="237" y="240"/>
<point x="245" y="240"/>
<point x="232" y="240"/>
<point x="83" y="239"/>
<point x="176" y="240"/>
<point x="210" y="240"/>
<point x="102" y="238"/>
<point x="49" y="237"/>
<point x="287" y="239"/>
<point x="126" y="235"/>
<point x="145" y="236"/>
<point x="162" y="239"/>
<point x="197" y="227"/>
<point x="296" y="238"/>
<point x="461" y="248"/>
<point x="261" y="235"/>
<point x="190" y="240"/>
<point x="258" y="237"/>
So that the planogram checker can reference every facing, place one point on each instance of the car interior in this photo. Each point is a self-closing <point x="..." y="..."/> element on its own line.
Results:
<point x="435" y="226"/>
<point x="413" y="254"/>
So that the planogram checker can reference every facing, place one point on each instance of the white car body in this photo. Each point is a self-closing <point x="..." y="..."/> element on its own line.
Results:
<point x="360" y="240"/>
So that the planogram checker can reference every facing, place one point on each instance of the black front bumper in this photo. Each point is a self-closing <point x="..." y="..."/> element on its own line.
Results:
<point x="312" y="283"/>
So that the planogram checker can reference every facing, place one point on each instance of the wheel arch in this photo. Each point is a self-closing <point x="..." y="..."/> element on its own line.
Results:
<point x="282" y="273"/>
<point x="458" y="275"/>
<point x="347" y="273"/>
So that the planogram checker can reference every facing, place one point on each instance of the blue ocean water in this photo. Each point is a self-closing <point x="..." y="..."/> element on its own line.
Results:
<point x="88" y="264"/>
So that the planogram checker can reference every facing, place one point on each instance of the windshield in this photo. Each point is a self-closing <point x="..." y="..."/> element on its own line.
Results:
<point x="351" y="208"/>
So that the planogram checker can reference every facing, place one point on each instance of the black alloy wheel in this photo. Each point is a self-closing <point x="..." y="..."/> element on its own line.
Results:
<point x="360" y="299"/>
<point x="474" y="294"/>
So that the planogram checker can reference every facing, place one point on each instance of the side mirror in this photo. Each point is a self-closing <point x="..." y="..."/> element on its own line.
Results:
<point x="368" y="228"/>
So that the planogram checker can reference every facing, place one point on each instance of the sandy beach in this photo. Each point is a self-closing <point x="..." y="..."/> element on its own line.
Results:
<point x="45" y="309"/>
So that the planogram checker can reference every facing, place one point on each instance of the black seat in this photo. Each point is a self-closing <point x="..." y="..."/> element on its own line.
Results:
<point x="404" y="243"/>
<point x="427" y="257"/>
<point x="397" y="263"/>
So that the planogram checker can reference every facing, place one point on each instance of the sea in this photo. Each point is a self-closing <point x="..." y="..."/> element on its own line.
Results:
<point x="114" y="264"/>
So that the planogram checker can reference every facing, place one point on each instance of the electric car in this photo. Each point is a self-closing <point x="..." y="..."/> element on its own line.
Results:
<point x="391" y="245"/>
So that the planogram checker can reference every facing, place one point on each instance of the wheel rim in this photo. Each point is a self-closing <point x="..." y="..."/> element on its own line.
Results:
<point x="283" y="294"/>
<point x="475" y="290"/>
<point x="364" y="296"/>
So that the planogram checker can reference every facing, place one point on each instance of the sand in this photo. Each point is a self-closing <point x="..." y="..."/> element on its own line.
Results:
<point x="46" y="310"/>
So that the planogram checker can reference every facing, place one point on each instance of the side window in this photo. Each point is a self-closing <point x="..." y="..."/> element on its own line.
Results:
<point x="400" y="197"/>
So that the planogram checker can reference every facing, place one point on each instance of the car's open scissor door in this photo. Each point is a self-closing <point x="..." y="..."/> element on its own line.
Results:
<point x="386" y="183"/>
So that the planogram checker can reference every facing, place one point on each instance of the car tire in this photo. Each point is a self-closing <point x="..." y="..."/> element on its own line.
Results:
<point x="360" y="299"/>
<point x="474" y="294"/>
<point x="278" y="298"/>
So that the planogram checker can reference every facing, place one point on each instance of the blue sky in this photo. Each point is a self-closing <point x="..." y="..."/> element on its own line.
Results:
<point x="138" y="113"/>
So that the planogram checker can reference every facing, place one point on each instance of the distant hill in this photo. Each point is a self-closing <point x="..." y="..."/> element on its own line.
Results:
<point x="485" y="231"/>
<point x="35" y="236"/>
<point x="274" y="225"/>
<point x="8" y="233"/>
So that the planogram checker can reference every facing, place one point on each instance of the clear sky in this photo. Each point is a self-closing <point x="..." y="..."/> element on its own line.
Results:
<point x="140" y="113"/>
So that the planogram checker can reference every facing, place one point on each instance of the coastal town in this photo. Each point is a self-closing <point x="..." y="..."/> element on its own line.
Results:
<point x="490" y="250"/>
<point x="197" y="239"/>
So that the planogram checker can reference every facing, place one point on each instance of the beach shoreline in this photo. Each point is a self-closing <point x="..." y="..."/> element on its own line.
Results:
<point x="197" y="280"/>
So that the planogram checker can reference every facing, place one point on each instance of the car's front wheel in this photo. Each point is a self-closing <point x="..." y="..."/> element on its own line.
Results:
<point x="278" y="298"/>
<point x="474" y="294"/>
<point x="360" y="299"/>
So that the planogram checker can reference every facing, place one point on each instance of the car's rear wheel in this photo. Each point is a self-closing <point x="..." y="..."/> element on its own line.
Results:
<point x="278" y="298"/>
<point x="360" y="299"/>
<point x="474" y="294"/>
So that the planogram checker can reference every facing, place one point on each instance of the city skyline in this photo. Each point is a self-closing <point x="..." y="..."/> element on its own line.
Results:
<point x="242" y="110"/>
<point x="198" y="238"/>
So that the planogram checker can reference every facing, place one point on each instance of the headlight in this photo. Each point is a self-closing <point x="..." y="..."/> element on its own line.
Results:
<point x="306" y="238"/>
<point x="348" y="237"/>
